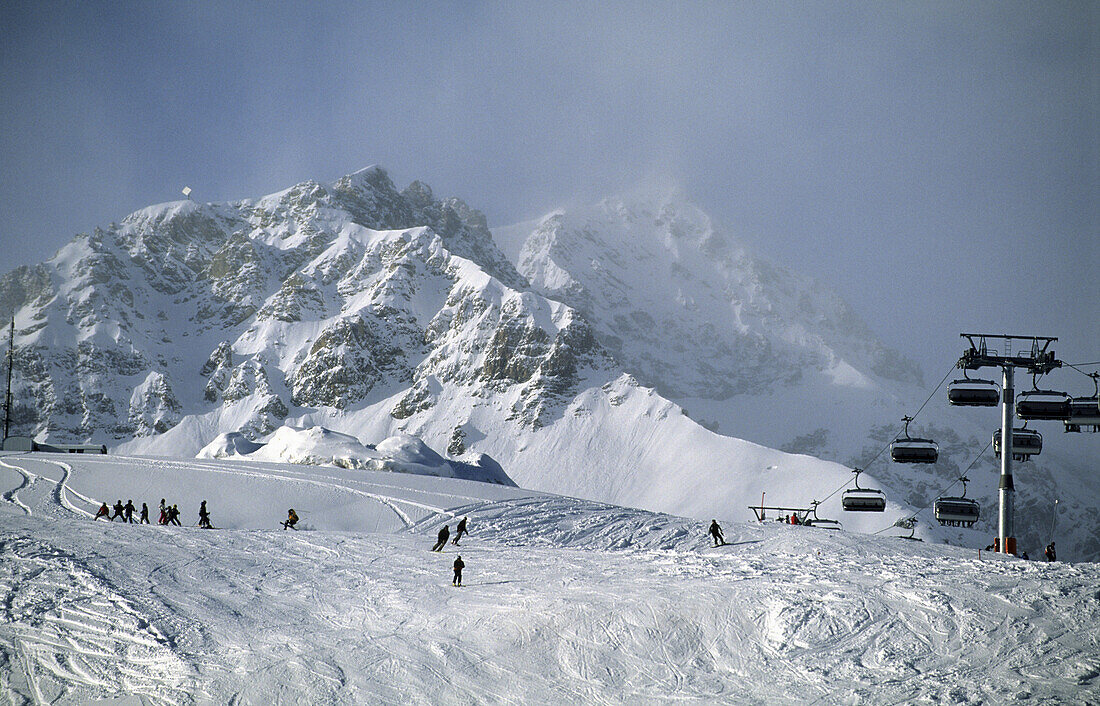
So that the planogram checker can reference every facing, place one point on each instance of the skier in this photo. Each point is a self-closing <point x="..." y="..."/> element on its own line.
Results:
<point x="442" y="539"/>
<point x="120" y="511"/>
<point x="204" y="517"/>
<point x="129" y="508"/>
<point x="174" y="516"/>
<point x="291" y="520"/>
<point x="1051" y="556"/>
<point x="459" y="565"/>
<point x="716" y="532"/>
<point x="1024" y="556"/>
<point x="144" y="514"/>
<point x="104" y="511"/>
<point x="163" y="520"/>
<point x="459" y="531"/>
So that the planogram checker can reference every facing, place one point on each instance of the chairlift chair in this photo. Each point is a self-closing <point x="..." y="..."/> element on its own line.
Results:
<point x="1025" y="443"/>
<point x="913" y="450"/>
<point x="863" y="499"/>
<point x="957" y="511"/>
<point x="812" y="520"/>
<point x="1085" y="411"/>
<point x="1042" y="405"/>
<point x="974" y="393"/>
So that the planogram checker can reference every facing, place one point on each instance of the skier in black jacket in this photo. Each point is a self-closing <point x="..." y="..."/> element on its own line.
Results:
<point x="459" y="531"/>
<point x="716" y="532"/>
<point x="459" y="565"/>
<point x="442" y="537"/>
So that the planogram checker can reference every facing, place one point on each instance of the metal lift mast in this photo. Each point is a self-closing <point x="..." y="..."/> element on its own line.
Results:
<point x="1037" y="360"/>
<point x="7" y="397"/>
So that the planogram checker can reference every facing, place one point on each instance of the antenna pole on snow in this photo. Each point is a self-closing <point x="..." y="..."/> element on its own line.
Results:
<point x="11" y="358"/>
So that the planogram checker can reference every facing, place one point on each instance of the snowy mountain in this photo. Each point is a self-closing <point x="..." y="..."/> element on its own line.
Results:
<point x="754" y="351"/>
<point x="625" y="361"/>
<point x="563" y="600"/>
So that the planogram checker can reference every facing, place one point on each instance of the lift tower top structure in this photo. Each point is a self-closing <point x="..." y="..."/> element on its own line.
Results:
<point x="1008" y="353"/>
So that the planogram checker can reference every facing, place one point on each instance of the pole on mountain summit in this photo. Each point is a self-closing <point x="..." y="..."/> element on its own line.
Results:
<point x="7" y="396"/>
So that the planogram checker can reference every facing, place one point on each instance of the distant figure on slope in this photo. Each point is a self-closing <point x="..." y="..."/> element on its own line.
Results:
<point x="120" y="511"/>
<point x="204" y="517"/>
<point x="103" y="511"/>
<point x="459" y="565"/>
<point x="163" y="520"/>
<point x="144" y="514"/>
<point x="1024" y="556"/>
<point x="716" y="532"/>
<point x="1051" y="556"/>
<point x="794" y="519"/>
<point x="459" y="531"/>
<point x="174" y="516"/>
<point x="291" y="520"/>
<point x="129" y="508"/>
<point x="442" y="539"/>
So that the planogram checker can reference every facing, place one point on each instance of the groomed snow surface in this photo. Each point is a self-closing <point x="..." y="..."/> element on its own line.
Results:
<point x="564" y="602"/>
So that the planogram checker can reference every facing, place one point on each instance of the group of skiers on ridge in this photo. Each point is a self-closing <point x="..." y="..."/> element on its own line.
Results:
<point x="169" y="514"/>
<point x="441" y="541"/>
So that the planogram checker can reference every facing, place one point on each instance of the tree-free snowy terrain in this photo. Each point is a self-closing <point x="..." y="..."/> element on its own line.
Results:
<point x="564" y="600"/>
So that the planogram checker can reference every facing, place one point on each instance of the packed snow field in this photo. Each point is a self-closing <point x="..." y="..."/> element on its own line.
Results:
<point x="564" y="600"/>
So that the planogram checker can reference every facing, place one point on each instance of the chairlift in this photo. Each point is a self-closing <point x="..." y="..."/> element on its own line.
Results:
<point x="1043" y="405"/>
<point x="973" y="393"/>
<point x="812" y="520"/>
<point x="913" y="450"/>
<point x="909" y="523"/>
<point x="863" y="499"/>
<point x="1084" y="412"/>
<point x="1025" y="443"/>
<point x="958" y="511"/>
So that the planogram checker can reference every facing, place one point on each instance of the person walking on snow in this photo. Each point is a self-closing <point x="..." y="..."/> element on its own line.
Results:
<point x="1051" y="556"/>
<point x="104" y="511"/>
<point x="144" y="514"/>
<point x="291" y="520"/>
<point x="716" y="532"/>
<point x="120" y="511"/>
<point x="129" y="508"/>
<point x="204" y="517"/>
<point x="174" y="516"/>
<point x="442" y="539"/>
<point x="459" y="531"/>
<point x="459" y="565"/>
<point x="163" y="520"/>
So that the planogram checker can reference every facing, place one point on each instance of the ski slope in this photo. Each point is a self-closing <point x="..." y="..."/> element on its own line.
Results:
<point x="565" y="601"/>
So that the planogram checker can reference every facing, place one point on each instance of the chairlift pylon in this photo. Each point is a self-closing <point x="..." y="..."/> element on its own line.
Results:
<point x="863" y="499"/>
<point x="812" y="520"/>
<point x="913" y="450"/>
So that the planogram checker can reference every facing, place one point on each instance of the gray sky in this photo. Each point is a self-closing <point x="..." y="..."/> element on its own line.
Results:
<point x="908" y="154"/>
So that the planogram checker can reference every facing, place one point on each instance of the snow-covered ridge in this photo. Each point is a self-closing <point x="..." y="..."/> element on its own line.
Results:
<point x="317" y="446"/>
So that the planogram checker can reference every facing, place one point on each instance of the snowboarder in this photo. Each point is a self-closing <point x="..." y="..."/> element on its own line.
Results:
<point x="120" y="511"/>
<point x="442" y="539"/>
<point x="144" y="514"/>
<point x="459" y="531"/>
<point x="716" y="532"/>
<point x="129" y="508"/>
<point x="163" y="520"/>
<point x="174" y="516"/>
<point x="1051" y="556"/>
<point x="459" y="565"/>
<point x="104" y="511"/>
<point x="204" y="517"/>
<point x="291" y="520"/>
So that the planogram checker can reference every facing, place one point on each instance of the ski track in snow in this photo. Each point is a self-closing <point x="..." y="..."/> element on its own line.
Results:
<point x="565" y="601"/>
